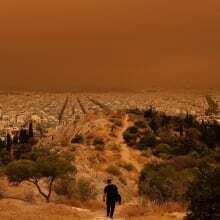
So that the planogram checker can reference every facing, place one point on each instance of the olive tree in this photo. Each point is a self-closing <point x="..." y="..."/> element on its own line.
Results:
<point x="49" y="166"/>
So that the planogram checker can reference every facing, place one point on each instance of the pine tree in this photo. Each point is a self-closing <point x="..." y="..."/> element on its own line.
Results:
<point x="8" y="142"/>
<point x="30" y="131"/>
<point x="23" y="137"/>
<point x="181" y="129"/>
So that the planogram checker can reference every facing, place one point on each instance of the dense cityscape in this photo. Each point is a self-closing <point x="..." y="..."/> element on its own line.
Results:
<point x="46" y="110"/>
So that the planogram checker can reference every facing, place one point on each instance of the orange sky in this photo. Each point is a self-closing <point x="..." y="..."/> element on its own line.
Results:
<point x="90" y="44"/>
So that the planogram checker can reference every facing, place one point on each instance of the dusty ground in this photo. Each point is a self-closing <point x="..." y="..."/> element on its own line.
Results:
<point x="11" y="209"/>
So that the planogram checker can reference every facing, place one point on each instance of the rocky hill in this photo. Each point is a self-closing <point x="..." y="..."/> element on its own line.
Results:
<point x="99" y="151"/>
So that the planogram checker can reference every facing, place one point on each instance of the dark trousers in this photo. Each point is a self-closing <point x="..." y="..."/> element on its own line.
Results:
<point x="110" y="208"/>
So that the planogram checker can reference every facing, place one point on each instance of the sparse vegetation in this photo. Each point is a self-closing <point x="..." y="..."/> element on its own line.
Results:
<point x="178" y="145"/>
<point x="113" y="170"/>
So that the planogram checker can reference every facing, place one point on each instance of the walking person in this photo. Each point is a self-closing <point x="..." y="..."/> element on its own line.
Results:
<point x="111" y="196"/>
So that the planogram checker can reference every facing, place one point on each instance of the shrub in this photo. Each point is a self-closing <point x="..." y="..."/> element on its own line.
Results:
<point x="5" y="157"/>
<point x="85" y="190"/>
<point x="193" y="133"/>
<point x="162" y="149"/>
<point x="68" y="156"/>
<point x="64" y="142"/>
<point x="209" y="136"/>
<point x="204" y="195"/>
<point x="160" y="183"/>
<point x="132" y="130"/>
<point x="150" y="113"/>
<point x="201" y="148"/>
<point x="65" y="186"/>
<point x="21" y="149"/>
<point x="184" y="162"/>
<point x="98" y="142"/>
<point x="140" y="124"/>
<point x="148" y="140"/>
<point x="117" y="122"/>
<point x="130" y="136"/>
<point x="147" y="152"/>
<point x="35" y="154"/>
<point x="115" y="171"/>
<point x="155" y="123"/>
<point x="33" y="141"/>
<point x="179" y="146"/>
<point x="78" y="139"/>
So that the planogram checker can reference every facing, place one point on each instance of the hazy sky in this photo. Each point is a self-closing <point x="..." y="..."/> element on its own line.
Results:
<point x="89" y="44"/>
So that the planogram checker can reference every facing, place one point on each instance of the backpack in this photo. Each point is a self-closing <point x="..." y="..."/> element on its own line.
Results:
<point x="118" y="198"/>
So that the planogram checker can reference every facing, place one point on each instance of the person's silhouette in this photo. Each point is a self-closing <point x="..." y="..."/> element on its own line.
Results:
<point x="111" y="196"/>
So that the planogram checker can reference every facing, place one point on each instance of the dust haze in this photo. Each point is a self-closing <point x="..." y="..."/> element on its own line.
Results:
<point x="118" y="44"/>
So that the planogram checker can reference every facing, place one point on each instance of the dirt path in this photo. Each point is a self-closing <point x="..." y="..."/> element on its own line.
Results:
<point x="125" y="150"/>
<point x="20" y="210"/>
<point x="100" y="215"/>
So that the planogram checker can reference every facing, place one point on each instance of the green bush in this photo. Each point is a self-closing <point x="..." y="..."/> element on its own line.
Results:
<point x="155" y="123"/>
<point x="21" y="149"/>
<point x="35" y="154"/>
<point x="162" y="149"/>
<point x="193" y="133"/>
<point x="147" y="152"/>
<point x="204" y="195"/>
<point x="21" y="170"/>
<point x="148" y="140"/>
<point x="85" y="190"/>
<point x="140" y="124"/>
<point x="160" y="183"/>
<point x="130" y="136"/>
<point x="184" y="162"/>
<point x="132" y="130"/>
<point x="5" y="157"/>
<point x="65" y="186"/>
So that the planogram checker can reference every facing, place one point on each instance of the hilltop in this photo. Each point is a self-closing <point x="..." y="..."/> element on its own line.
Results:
<point x="131" y="146"/>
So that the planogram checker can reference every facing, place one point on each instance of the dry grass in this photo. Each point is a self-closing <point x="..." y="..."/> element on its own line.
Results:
<point x="19" y="210"/>
<point x="142" y="208"/>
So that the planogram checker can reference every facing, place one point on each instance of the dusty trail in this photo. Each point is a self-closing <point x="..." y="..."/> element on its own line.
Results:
<point x="100" y="215"/>
<point x="125" y="150"/>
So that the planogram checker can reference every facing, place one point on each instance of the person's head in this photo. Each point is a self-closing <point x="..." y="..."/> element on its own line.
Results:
<point x="109" y="181"/>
